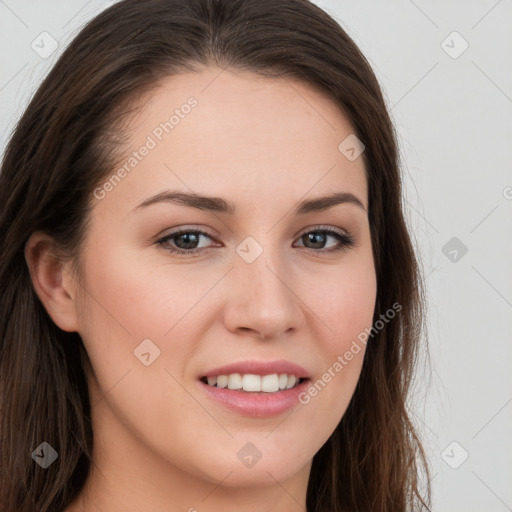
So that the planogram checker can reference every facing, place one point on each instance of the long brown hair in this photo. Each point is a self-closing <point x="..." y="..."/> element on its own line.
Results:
<point x="64" y="145"/>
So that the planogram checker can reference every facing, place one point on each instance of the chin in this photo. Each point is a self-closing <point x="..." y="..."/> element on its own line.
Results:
<point x="247" y="467"/>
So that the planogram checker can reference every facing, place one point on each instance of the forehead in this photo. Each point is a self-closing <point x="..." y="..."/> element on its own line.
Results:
<point x="230" y="133"/>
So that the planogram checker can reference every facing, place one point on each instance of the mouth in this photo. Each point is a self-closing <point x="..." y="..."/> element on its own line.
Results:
<point x="255" y="388"/>
<point x="252" y="383"/>
<point x="252" y="395"/>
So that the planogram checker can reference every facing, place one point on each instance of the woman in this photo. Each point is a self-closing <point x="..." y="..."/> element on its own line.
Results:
<point x="210" y="298"/>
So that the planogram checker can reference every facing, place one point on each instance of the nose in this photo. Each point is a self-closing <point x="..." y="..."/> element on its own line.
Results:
<point x="261" y="298"/>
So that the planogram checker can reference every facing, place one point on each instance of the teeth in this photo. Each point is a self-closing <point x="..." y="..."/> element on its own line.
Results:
<point x="235" y="381"/>
<point x="270" y="383"/>
<point x="256" y="383"/>
<point x="251" y="382"/>
<point x="222" y="381"/>
<point x="292" y="380"/>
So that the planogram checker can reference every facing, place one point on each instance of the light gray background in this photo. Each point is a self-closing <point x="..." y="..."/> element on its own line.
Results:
<point x="453" y="112"/>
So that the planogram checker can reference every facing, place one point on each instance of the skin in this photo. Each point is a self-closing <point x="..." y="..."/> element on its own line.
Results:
<point x="160" y="443"/>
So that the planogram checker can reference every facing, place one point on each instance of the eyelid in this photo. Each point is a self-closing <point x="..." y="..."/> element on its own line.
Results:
<point x="167" y="233"/>
<point x="322" y="227"/>
<point x="307" y="229"/>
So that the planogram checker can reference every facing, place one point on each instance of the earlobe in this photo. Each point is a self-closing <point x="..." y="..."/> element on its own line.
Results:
<point x="52" y="281"/>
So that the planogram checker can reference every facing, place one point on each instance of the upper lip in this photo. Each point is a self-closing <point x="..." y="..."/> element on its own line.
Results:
<point x="259" y="368"/>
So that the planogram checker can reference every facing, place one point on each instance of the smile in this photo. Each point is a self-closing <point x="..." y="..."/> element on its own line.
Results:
<point x="248" y="382"/>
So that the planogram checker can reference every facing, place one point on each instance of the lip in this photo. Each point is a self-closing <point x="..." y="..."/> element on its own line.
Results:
<point x="255" y="404"/>
<point x="259" y="368"/>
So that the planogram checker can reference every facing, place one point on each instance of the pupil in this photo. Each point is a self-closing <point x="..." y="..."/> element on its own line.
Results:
<point x="316" y="238"/>
<point x="190" y="240"/>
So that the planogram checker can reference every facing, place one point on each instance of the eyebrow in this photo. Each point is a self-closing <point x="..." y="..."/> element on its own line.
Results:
<point x="219" y="205"/>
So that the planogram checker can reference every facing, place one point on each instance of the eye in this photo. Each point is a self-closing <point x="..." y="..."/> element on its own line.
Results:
<point x="187" y="241"/>
<point x="319" y="237"/>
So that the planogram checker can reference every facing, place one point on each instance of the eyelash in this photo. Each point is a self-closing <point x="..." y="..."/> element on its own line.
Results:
<point x="347" y="241"/>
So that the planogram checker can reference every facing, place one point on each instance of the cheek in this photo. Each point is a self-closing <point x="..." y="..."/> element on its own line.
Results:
<point x="347" y="308"/>
<point x="347" y="303"/>
<point x="130" y="300"/>
<point x="137" y="298"/>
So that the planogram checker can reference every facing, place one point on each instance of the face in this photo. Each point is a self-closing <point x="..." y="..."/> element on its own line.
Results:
<point x="174" y="288"/>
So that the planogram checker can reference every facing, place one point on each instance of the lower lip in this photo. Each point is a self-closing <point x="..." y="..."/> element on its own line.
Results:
<point x="256" y="404"/>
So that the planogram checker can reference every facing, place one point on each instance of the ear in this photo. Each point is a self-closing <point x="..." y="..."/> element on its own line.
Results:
<point x="52" y="280"/>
